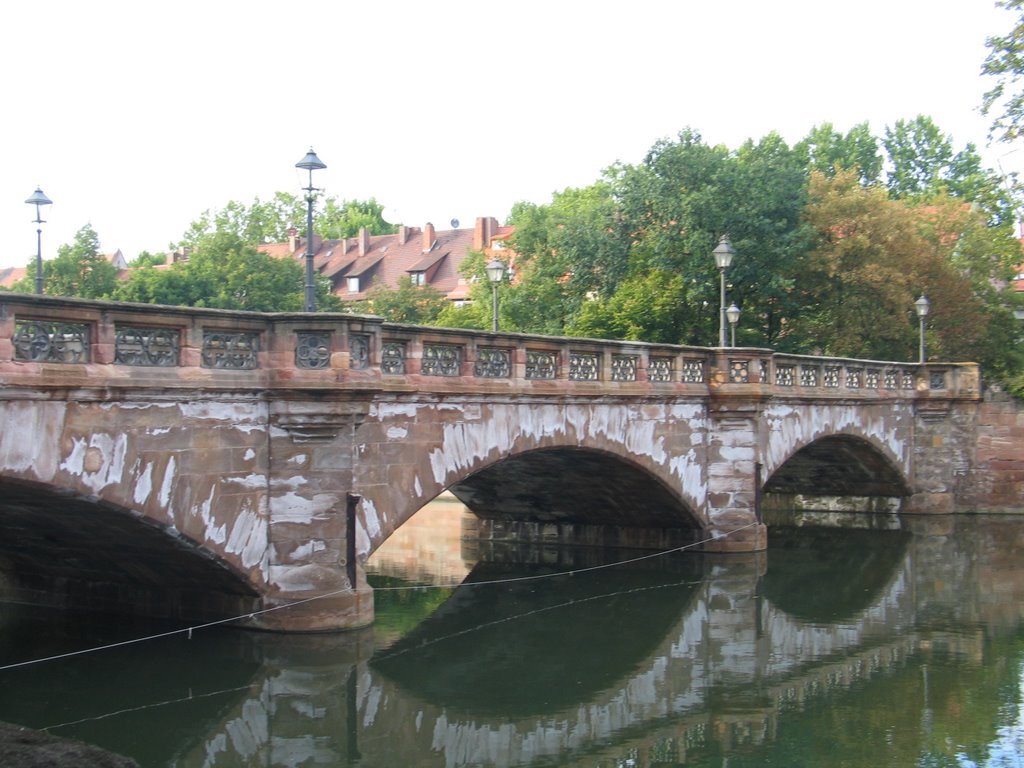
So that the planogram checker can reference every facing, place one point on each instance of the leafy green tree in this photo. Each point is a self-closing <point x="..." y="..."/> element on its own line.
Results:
<point x="408" y="303"/>
<point x="687" y="194"/>
<point x="78" y="270"/>
<point x="1004" y="101"/>
<point x="147" y="259"/>
<point x="923" y="162"/>
<point x="647" y="307"/>
<point x="346" y="218"/>
<point x="827" y="150"/>
<point x="225" y="272"/>
<point x="269" y="221"/>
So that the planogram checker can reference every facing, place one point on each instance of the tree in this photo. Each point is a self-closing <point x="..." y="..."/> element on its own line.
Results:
<point x="1004" y="101"/>
<point x="227" y="273"/>
<point x="78" y="270"/>
<point x="269" y="221"/>
<point x="826" y="150"/>
<point x="874" y="255"/>
<point x="346" y="218"/>
<point x="408" y="303"/>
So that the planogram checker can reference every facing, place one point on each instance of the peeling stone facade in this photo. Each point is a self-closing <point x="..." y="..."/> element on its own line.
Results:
<point x="284" y="449"/>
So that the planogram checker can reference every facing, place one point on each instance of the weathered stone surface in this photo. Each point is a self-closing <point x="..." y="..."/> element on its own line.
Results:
<point x="252" y="468"/>
<point x="25" y="748"/>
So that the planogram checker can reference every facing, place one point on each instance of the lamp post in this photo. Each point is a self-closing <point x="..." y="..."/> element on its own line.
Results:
<point x="495" y="273"/>
<point x="923" y="306"/>
<point x="38" y="199"/>
<point x="723" y="254"/>
<point x="310" y="163"/>
<point x="733" y="315"/>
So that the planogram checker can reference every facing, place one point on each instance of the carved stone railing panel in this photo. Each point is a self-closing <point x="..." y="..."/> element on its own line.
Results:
<point x="936" y="380"/>
<point x="359" y="351"/>
<point x="493" y="363"/>
<point x="624" y="367"/>
<point x="785" y="375"/>
<point x="154" y="347"/>
<point x="891" y="379"/>
<point x="808" y="375"/>
<point x="693" y="371"/>
<point x="831" y="377"/>
<point x="313" y="349"/>
<point x="584" y="366"/>
<point x="853" y="378"/>
<point x="441" y="360"/>
<point x="392" y="358"/>
<point x="659" y="369"/>
<point x="51" y="341"/>
<point x="739" y="371"/>
<point x="231" y="350"/>
<point x="906" y="380"/>
<point x="541" y="364"/>
<point x="872" y="377"/>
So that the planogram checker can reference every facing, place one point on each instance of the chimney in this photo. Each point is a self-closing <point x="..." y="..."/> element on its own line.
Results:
<point x="483" y="232"/>
<point x="293" y="239"/>
<point x="428" y="237"/>
<point x="403" y="234"/>
<point x="364" y="241"/>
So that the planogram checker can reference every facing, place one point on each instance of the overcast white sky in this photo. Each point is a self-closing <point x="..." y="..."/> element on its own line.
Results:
<point x="135" y="117"/>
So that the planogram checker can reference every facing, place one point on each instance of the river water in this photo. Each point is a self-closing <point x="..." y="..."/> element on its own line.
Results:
<point x="894" y="643"/>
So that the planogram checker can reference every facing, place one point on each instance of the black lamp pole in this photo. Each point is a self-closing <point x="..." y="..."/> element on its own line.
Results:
<point x="723" y="254"/>
<point x="38" y="199"/>
<point x="922" y="306"/>
<point x="495" y="273"/>
<point x="310" y="163"/>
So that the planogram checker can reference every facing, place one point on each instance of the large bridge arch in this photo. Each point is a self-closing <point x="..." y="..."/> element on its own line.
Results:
<point x="65" y="549"/>
<point x="470" y="448"/>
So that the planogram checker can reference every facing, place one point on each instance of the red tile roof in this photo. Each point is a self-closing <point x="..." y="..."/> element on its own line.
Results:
<point x="384" y="259"/>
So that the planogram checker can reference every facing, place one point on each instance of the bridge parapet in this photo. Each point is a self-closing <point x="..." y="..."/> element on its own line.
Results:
<point x="69" y="342"/>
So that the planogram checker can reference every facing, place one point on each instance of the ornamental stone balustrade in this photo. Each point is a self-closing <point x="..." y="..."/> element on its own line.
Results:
<point x="202" y="463"/>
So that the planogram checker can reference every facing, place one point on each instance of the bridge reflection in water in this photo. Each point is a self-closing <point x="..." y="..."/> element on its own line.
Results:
<point x="681" y="658"/>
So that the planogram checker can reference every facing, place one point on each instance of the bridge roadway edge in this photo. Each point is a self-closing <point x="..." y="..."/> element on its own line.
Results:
<point x="260" y="465"/>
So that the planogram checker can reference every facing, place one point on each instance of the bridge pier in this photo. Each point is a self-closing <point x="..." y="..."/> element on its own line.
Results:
<point x="315" y="580"/>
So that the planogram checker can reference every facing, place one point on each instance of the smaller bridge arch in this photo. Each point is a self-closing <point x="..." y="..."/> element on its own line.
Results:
<point x="840" y="465"/>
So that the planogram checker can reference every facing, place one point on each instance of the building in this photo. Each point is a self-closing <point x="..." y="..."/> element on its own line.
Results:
<point x="427" y="256"/>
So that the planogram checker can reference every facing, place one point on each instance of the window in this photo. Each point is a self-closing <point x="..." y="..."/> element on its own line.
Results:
<point x="418" y="278"/>
<point x="353" y="285"/>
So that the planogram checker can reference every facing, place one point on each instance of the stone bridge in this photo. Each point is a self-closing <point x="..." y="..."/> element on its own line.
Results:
<point x="200" y="464"/>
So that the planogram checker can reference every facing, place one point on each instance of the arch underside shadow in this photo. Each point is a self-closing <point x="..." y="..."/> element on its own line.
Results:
<point x="61" y="549"/>
<point x="841" y="465"/>
<point x="574" y="486"/>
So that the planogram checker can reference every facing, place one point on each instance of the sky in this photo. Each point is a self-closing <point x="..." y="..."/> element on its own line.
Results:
<point x="136" y="117"/>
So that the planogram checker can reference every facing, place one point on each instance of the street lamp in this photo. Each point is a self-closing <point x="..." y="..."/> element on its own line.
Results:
<point x="310" y="163"/>
<point x="38" y="199"/>
<point x="495" y="273"/>
<point x="923" y="306"/>
<point x="733" y="314"/>
<point x="723" y="254"/>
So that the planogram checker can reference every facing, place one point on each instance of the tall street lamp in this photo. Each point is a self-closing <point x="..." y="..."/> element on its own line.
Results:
<point x="733" y="314"/>
<point x="38" y="199"/>
<point x="310" y="163"/>
<point x="723" y="254"/>
<point x="495" y="273"/>
<point x="923" y="306"/>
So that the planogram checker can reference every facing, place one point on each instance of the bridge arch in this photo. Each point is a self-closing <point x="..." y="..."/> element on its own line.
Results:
<point x="62" y="548"/>
<point x="841" y="464"/>
<point x="625" y="465"/>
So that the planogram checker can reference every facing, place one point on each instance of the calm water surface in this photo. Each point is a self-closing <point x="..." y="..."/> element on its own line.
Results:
<point x="835" y="648"/>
